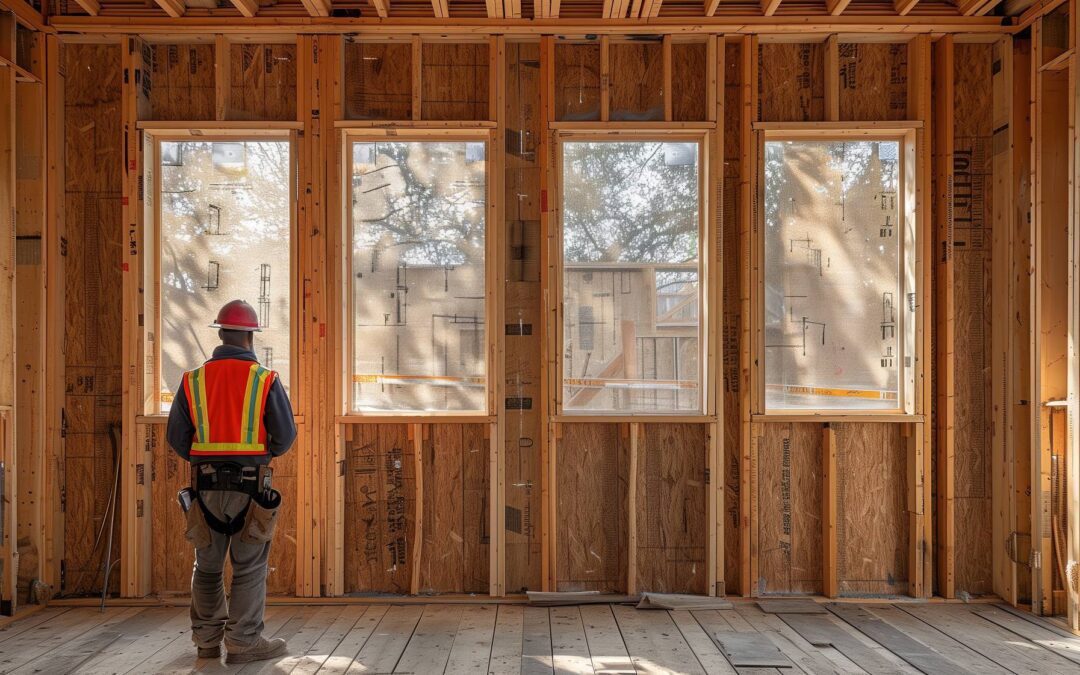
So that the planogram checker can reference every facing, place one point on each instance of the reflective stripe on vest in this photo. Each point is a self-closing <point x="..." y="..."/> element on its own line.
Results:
<point x="227" y="398"/>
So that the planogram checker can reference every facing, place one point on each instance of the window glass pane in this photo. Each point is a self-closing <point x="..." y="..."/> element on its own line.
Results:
<point x="631" y="277"/>
<point x="833" y="296"/>
<point x="418" y="218"/>
<point x="225" y="233"/>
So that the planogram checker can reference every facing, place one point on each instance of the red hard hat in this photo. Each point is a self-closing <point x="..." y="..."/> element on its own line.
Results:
<point x="237" y="315"/>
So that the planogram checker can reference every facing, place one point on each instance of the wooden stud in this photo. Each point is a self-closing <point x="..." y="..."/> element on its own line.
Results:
<point x="829" y="571"/>
<point x="749" y="103"/>
<point x="605" y="78"/>
<point x="416" y="435"/>
<point x="547" y="393"/>
<point x="55" y="304"/>
<point x="945" y="319"/>
<point x="8" y="426"/>
<point x="667" y="79"/>
<point x="497" y="310"/>
<point x="417" y="76"/>
<point x="222" y="77"/>
<point x="631" y="508"/>
<point x="1073" y="452"/>
<point x="135" y="498"/>
<point x="832" y="78"/>
<point x="714" y="226"/>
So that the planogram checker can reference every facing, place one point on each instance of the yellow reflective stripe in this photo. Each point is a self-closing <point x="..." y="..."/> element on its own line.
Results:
<point x="245" y="416"/>
<point x="201" y="402"/>
<point x="257" y="405"/>
<point x="227" y="448"/>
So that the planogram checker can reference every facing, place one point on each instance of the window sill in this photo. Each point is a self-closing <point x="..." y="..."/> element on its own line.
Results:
<point x="416" y="418"/>
<point x="838" y="416"/>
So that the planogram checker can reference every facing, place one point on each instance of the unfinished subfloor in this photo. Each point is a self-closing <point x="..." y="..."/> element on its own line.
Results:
<point x="466" y="638"/>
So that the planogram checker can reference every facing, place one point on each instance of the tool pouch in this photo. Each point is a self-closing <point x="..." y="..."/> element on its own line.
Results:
<point x="261" y="519"/>
<point x="197" y="531"/>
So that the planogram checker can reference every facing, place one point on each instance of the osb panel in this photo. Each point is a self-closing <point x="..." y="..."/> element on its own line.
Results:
<point x="93" y="180"/>
<point x="689" y="81"/>
<point x="591" y="518"/>
<point x="263" y="82"/>
<point x="182" y="82"/>
<point x="454" y="554"/>
<point x="577" y="81"/>
<point x="637" y="80"/>
<point x="671" y="520"/>
<point x="380" y="508"/>
<point x="873" y="81"/>
<point x="454" y="81"/>
<point x="732" y="317"/>
<point x="378" y="81"/>
<point x="972" y="222"/>
<point x="791" y="85"/>
<point x="872" y="518"/>
<point x="789" y="508"/>
<point x="523" y="326"/>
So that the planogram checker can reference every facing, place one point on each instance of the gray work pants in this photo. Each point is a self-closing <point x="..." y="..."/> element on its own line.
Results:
<point x="239" y="620"/>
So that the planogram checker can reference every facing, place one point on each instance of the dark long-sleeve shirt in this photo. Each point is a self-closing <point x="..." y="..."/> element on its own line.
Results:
<point x="277" y="417"/>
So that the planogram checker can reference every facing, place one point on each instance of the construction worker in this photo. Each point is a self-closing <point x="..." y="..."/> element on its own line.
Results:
<point x="229" y="418"/>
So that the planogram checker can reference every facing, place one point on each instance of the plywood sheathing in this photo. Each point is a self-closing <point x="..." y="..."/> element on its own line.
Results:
<point x="637" y="84"/>
<point x="577" y="81"/>
<point x="791" y="82"/>
<point x="182" y="82"/>
<point x="872" y="524"/>
<point x="789" y="489"/>
<point x="455" y="81"/>
<point x="873" y="81"/>
<point x="591" y="515"/>
<point x="263" y="78"/>
<point x="689" y="91"/>
<point x="94" y="156"/>
<point x="454" y="543"/>
<point x="524" y="328"/>
<point x="670" y="508"/>
<point x="972" y="222"/>
<point x="378" y="80"/>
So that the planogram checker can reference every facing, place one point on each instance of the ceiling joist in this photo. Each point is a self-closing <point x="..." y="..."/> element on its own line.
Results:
<point x="91" y="7"/>
<point x="248" y="8"/>
<point x="382" y="8"/>
<point x="174" y="8"/>
<point x="977" y="7"/>
<point x="836" y="7"/>
<point x="768" y="7"/>
<point x="317" y="7"/>
<point x="902" y="7"/>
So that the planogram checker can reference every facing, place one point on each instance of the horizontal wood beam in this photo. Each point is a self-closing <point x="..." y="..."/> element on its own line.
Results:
<point x="248" y="8"/>
<point x="900" y="26"/>
<point x="174" y="8"/>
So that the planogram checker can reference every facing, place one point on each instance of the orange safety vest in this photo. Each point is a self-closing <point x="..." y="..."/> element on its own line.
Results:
<point x="226" y="399"/>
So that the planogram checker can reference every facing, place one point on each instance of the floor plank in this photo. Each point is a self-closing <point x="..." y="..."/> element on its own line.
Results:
<point x="343" y="655"/>
<point x="311" y="661"/>
<point x="507" y="643"/>
<point x="429" y="648"/>
<point x="382" y="650"/>
<point x="569" y="646"/>
<point x="1067" y="648"/>
<point x="536" y="652"/>
<point x="705" y="649"/>
<point x="61" y="648"/>
<point x="654" y="642"/>
<point x="471" y="652"/>
<point x="957" y="652"/>
<point x="606" y="648"/>
<point x="154" y="630"/>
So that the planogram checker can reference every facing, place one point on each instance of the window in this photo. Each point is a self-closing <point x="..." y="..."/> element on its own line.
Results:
<point x="224" y="220"/>
<point x="631" y="276"/>
<point x="839" y="323"/>
<point x="418" y="290"/>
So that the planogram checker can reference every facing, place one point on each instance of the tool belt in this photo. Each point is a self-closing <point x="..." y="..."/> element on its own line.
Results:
<point x="254" y="525"/>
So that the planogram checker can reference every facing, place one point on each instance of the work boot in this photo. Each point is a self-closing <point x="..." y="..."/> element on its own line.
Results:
<point x="260" y="650"/>
<point x="211" y="652"/>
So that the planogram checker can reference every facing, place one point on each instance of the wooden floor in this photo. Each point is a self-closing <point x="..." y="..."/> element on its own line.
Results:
<point x="433" y="638"/>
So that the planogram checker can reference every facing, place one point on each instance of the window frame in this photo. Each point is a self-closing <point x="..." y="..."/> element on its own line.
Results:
<point x="703" y="135"/>
<point x="468" y="132"/>
<point x="909" y="271"/>
<point x="153" y="137"/>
